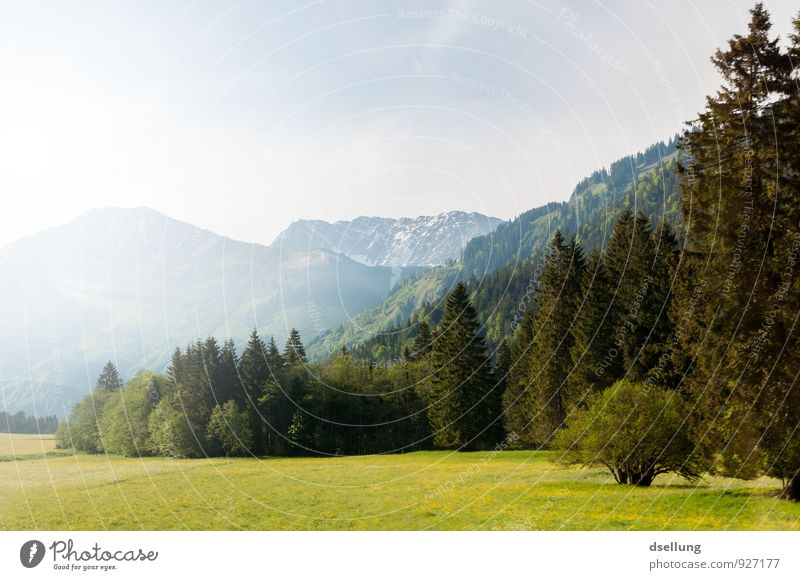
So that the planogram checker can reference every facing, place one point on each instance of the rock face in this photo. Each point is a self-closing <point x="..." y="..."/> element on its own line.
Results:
<point x="421" y="241"/>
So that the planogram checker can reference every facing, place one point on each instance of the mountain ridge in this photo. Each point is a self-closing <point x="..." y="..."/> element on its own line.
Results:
<point x="431" y="240"/>
<point x="500" y="266"/>
<point x="129" y="285"/>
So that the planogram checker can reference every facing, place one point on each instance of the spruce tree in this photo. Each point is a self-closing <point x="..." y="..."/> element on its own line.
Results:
<point x="423" y="342"/>
<point x="275" y="360"/>
<point x="109" y="379"/>
<point x="500" y="378"/>
<point x="460" y="409"/>
<point x="655" y="356"/>
<point x="294" y="353"/>
<point x="517" y="411"/>
<point x="547" y="359"/>
<point x="781" y="440"/>
<point x="637" y="280"/>
<point x="211" y="378"/>
<point x="641" y="313"/>
<point x="254" y="372"/>
<point x="195" y="396"/>
<point x="737" y="317"/>
<point x="229" y="387"/>
<point x="597" y="362"/>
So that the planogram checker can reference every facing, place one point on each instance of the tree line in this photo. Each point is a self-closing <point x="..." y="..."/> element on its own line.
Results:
<point x="213" y="401"/>
<point x="666" y="351"/>
<point x="21" y="422"/>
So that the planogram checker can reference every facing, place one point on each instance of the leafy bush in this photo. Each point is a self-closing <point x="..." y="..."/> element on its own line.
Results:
<point x="123" y="425"/>
<point x="81" y="430"/>
<point x="637" y="432"/>
<point x="230" y="428"/>
<point x="170" y="432"/>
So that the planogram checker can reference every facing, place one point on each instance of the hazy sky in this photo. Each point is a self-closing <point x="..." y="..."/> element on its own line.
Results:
<point x="244" y="116"/>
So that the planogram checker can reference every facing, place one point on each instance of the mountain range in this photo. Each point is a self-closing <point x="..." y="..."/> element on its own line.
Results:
<point x="131" y="285"/>
<point x="375" y="241"/>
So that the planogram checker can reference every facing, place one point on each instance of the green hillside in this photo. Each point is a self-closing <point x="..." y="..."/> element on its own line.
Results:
<point x="645" y="181"/>
<point x="501" y="267"/>
<point x="412" y="294"/>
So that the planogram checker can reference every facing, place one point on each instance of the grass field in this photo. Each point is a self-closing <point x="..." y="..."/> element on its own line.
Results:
<point x="512" y="490"/>
<point x="18" y="447"/>
<point x="11" y="445"/>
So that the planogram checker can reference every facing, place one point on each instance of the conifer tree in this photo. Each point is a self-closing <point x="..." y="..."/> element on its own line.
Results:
<point x="597" y="362"/>
<point x="274" y="358"/>
<point x="637" y="281"/>
<point x="195" y="397"/>
<point x="294" y="353"/>
<point x="737" y="330"/>
<point x="624" y="280"/>
<point x="517" y="410"/>
<point x="460" y="407"/>
<point x="423" y="342"/>
<point x="210" y="377"/>
<point x="254" y="373"/>
<point x="549" y="361"/>
<point x="109" y="379"/>
<point x="230" y="388"/>
<point x="278" y="400"/>
<point x="500" y="381"/>
<point x="642" y="311"/>
<point x="175" y="371"/>
<point x="655" y="356"/>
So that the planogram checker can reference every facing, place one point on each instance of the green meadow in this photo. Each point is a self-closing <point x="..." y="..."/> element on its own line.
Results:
<point x="19" y="444"/>
<point x="509" y="490"/>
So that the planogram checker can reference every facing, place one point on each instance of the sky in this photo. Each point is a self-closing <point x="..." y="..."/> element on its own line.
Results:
<point x="242" y="117"/>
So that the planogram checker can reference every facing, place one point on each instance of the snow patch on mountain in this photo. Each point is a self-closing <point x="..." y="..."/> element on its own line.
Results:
<point x="376" y="241"/>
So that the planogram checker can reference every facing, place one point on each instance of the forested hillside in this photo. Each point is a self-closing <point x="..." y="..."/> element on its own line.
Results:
<point x="501" y="268"/>
<point x="412" y="295"/>
<point x="645" y="181"/>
